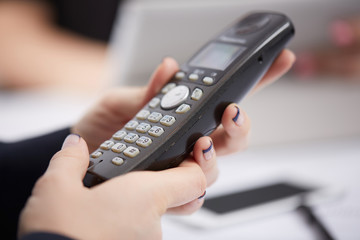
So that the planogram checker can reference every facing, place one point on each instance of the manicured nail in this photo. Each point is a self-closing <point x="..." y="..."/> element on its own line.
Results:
<point x="208" y="152"/>
<point x="305" y="65"/>
<point x="202" y="196"/>
<point x="342" y="33"/>
<point x="239" y="118"/>
<point x="71" y="139"/>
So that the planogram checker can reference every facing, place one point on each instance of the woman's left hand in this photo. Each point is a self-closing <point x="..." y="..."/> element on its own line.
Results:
<point x="118" y="106"/>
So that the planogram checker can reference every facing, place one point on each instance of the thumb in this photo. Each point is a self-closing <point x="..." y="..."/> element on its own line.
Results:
<point x="162" y="74"/>
<point x="72" y="160"/>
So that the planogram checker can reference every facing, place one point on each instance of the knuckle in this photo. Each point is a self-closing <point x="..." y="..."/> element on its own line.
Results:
<point x="213" y="176"/>
<point x="48" y="180"/>
<point x="189" y="208"/>
<point x="199" y="180"/>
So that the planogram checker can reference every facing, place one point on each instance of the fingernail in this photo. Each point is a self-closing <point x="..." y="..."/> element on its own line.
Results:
<point x="202" y="196"/>
<point x="208" y="152"/>
<point x="305" y="65"/>
<point x="342" y="33"/>
<point x="70" y="140"/>
<point x="239" y="118"/>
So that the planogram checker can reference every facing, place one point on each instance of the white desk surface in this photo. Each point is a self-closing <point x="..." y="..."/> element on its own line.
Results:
<point x="336" y="161"/>
<point x="319" y="142"/>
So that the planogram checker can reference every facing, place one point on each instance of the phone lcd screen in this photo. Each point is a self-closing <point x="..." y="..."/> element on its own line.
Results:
<point x="217" y="56"/>
<point x="252" y="197"/>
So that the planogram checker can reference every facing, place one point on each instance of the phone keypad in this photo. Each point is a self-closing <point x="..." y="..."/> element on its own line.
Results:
<point x="149" y="124"/>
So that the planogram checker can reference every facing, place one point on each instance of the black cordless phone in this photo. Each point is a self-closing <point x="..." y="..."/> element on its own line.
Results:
<point x="191" y="105"/>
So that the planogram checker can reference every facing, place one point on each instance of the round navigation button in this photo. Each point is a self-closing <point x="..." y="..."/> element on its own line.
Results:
<point x="175" y="97"/>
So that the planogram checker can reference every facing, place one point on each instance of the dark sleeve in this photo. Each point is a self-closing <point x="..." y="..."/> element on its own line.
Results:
<point x="90" y="18"/>
<point x="44" y="236"/>
<point x="21" y="164"/>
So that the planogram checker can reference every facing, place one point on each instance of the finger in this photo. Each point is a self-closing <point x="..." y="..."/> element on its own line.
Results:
<point x="188" y="208"/>
<point x="71" y="162"/>
<point x="116" y="101"/>
<point x="232" y="135"/>
<point x="165" y="189"/>
<point x="162" y="75"/>
<point x="204" y="154"/>
<point x="345" y="32"/>
<point x="280" y="66"/>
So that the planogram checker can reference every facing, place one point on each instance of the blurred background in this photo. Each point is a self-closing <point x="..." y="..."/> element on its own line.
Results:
<point x="57" y="57"/>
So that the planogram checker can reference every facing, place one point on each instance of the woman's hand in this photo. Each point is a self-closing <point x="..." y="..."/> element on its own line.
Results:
<point x="130" y="205"/>
<point x="127" y="207"/>
<point x="119" y="105"/>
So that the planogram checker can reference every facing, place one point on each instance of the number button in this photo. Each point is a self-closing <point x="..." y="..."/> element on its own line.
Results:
<point x="154" y="117"/>
<point x="119" y="135"/>
<point x="167" y="120"/>
<point x="117" y="161"/>
<point x="118" y="147"/>
<point x="131" y="125"/>
<point x="208" y="80"/>
<point x="107" y="145"/>
<point x="183" y="108"/>
<point x="131" y="152"/>
<point x="143" y="114"/>
<point x="96" y="154"/>
<point x="168" y="87"/>
<point x="131" y="138"/>
<point x="179" y="75"/>
<point x="196" y="94"/>
<point x="154" y="102"/>
<point x="144" y="142"/>
<point x="143" y="127"/>
<point x="193" y="77"/>
<point x="156" y="131"/>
